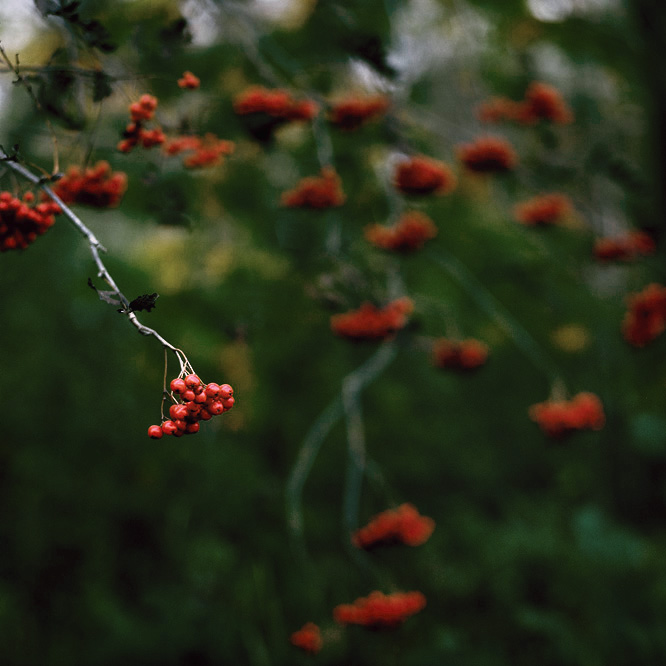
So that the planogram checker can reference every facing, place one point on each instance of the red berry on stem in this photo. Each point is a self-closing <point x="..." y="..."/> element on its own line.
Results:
<point x="169" y="428"/>
<point x="228" y="403"/>
<point x="155" y="432"/>
<point x="192" y="380"/>
<point x="178" y="385"/>
<point x="192" y="428"/>
<point x="180" y="424"/>
<point x="177" y="411"/>
<point x="189" y="395"/>
<point x="205" y="415"/>
<point x="225" y="391"/>
<point x="216" y="407"/>
<point x="200" y="398"/>
<point x="212" y="390"/>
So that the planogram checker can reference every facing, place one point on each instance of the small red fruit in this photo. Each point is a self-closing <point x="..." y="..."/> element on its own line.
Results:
<point x="228" y="403"/>
<point x="212" y="390"/>
<point x="192" y="380"/>
<point x="178" y="385"/>
<point x="216" y="407"/>
<point x="155" y="432"/>
<point x="192" y="428"/>
<point x="177" y="411"/>
<point x="225" y="391"/>
<point x="189" y="395"/>
<point x="169" y="428"/>
<point x="180" y="424"/>
<point x="205" y="415"/>
<point x="200" y="398"/>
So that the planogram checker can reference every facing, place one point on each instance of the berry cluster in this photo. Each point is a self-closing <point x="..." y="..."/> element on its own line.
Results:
<point x="323" y="191"/>
<point x="404" y="525"/>
<point x="488" y="154"/>
<point x="372" y="323"/>
<point x="558" y="418"/>
<point x="543" y="210"/>
<point x="350" y="113"/>
<point x="21" y="223"/>
<point x="380" y="611"/>
<point x="409" y="233"/>
<point x="646" y="318"/>
<point x="420" y="175"/>
<point x="307" y="638"/>
<point x="196" y="402"/>
<point x="96" y="186"/>
<point x="276" y="103"/>
<point x="189" y="81"/>
<point x="459" y="354"/>
<point x="542" y="102"/>
<point x="205" y="152"/>
<point x="624" y="248"/>
<point x="135" y="133"/>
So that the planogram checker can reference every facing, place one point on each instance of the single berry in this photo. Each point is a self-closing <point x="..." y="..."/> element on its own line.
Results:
<point x="192" y="380"/>
<point x="155" y="432"/>
<point x="169" y="428"/>
<point x="225" y="391"/>
<point x="192" y="408"/>
<point x="205" y="415"/>
<point x="200" y="398"/>
<point x="212" y="390"/>
<point x="178" y="411"/>
<point x="189" y="395"/>
<point x="181" y="424"/>
<point x="178" y="385"/>
<point x="192" y="428"/>
<point x="216" y="407"/>
<point x="228" y="403"/>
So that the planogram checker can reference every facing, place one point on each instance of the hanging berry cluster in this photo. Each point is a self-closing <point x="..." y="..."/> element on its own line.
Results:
<point x="372" y="323"/>
<point x="324" y="191"/>
<point x="625" y="247"/>
<point x="204" y="152"/>
<point x="403" y="525"/>
<point x="193" y="401"/>
<point x="21" y="222"/>
<point x="96" y="186"/>
<point x="135" y="133"/>
<point x="307" y="638"/>
<point x="558" y="418"/>
<point x="543" y="210"/>
<point x="420" y="175"/>
<point x="459" y="354"/>
<point x="408" y="234"/>
<point x="379" y="610"/>
<point x="488" y="154"/>
<point x="646" y="317"/>
<point x="189" y="81"/>
<point x="352" y="112"/>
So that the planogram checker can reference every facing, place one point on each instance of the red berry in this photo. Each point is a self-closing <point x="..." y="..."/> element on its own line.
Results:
<point x="212" y="390"/>
<point x="169" y="428"/>
<point x="192" y="380"/>
<point x="180" y="424"/>
<point x="155" y="432"/>
<point x="225" y="391"/>
<point x="192" y="428"/>
<point x="177" y="411"/>
<point x="205" y="415"/>
<point x="192" y="408"/>
<point x="178" y="386"/>
<point x="200" y="398"/>
<point x="178" y="433"/>
<point x="228" y="403"/>
<point x="216" y="407"/>
<point x="189" y="395"/>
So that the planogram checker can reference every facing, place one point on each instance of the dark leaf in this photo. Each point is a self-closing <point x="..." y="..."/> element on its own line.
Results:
<point x="144" y="302"/>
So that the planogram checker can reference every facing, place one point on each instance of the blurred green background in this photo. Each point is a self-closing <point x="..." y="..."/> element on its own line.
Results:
<point x="117" y="548"/>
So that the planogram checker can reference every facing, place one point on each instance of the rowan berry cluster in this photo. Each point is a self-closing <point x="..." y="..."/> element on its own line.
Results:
<point x="324" y="191"/>
<point x="21" y="222"/>
<point x="135" y="133"/>
<point x="350" y="113"/>
<point x="420" y="175"/>
<point x="624" y="248"/>
<point x="459" y="354"/>
<point x="188" y="81"/>
<point x="543" y="210"/>
<point x="488" y="154"/>
<point x="409" y="233"/>
<point x="645" y="319"/>
<point x="379" y="610"/>
<point x="194" y="401"/>
<point x="558" y="418"/>
<point x="96" y="186"/>
<point x="404" y="525"/>
<point x="208" y="151"/>
<point x="307" y="638"/>
<point x="372" y="323"/>
<point x="277" y="103"/>
<point x="542" y="102"/>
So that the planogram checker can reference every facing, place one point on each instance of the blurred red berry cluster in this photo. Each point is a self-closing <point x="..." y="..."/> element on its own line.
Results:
<point x="208" y="151"/>
<point x="558" y="418"/>
<point x="274" y="102"/>
<point x="96" y="186"/>
<point x="350" y="113"/>
<point x="379" y="610"/>
<point x="646" y="317"/>
<point x="324" y="191"/>
<point x="625" y="247"/>
<point x="543" y="210"/>
<point x="421" y="175"/>
<point x="488" y="154"/>
<point x="409" y="233"/>
<point x="542" y="102"/>
<point x="403" y="525"/>
<point x="307" y="638"/>
<point x="372" y="323"/>
<point x="135" y="133"/>
<point x="195" y="402"/>
<point x="189" y="81"/>
<point x="21" y="222"/>
<point x="459" y="354"/>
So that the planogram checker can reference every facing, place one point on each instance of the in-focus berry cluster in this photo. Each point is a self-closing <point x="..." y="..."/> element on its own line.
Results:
<point x="352" y="112"/>
<point x="136" y="133"/>
<point x="488" y="154"/>
<point x="194" y="401"/>
<point x="379" y="610"/>
<point x="21" y="221"/>
<point x="96" y="186"/>
<point x="558" y="418"/>
<point x="324" y="191"/>
<point x="543" y="210"/>
<point x="459" y="354"/>
<point x="403" y="525"/>
<point x="372" y="323"/>
<point x="542" y="102"/>
<point x="420" y="175"/>
<point x="307" y="638"/>
<point x="646" y="317"/>
<point x="409" y="233"/>
<point x="189" y="81"/>
<point x="625" y="247"/>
